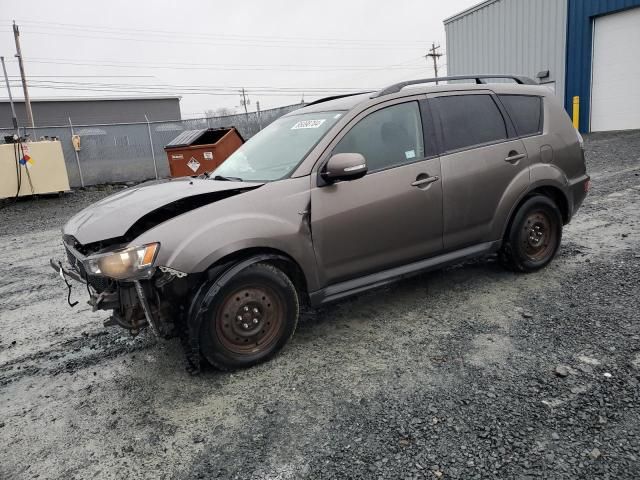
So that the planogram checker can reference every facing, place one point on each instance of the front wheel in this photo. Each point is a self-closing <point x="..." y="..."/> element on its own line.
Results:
<point x="251" y="320"/>
<point x="534" y="236"/>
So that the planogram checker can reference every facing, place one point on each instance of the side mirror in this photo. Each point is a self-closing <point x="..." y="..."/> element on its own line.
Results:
<point x="344" y="167"/>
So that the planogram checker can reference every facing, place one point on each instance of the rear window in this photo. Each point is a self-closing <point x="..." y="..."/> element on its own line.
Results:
<point x="469" y="120"/>
<point x="526" y="113"/>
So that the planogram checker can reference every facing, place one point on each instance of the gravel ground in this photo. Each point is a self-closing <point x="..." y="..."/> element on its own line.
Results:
<point x="471" y="372"/>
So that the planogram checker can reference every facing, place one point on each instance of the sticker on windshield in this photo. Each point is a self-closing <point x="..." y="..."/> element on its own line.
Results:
<point x="308" y="124"/>
<point x="410" y="154"/>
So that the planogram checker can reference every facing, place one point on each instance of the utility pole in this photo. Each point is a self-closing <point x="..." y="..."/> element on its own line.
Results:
<point x="13" y="109"/>
<point x="258" y="115"/>
<point x="435" y="56"/>
<point x="27" y="101"/>
<point x="244" y="101"/>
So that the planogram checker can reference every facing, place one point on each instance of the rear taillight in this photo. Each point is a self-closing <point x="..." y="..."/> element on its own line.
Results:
<point x="587" y="185"/>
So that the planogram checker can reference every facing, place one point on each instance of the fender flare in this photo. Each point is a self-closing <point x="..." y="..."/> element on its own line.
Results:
<point x="527" y="193"/>
<point x="219" y="276"/>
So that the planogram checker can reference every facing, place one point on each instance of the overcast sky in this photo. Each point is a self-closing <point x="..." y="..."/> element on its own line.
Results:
<point x="205" y="51"/>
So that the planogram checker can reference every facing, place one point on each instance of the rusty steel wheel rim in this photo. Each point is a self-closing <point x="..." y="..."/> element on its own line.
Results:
<point x="538" y="236"/>
<point x="250" y="319"/>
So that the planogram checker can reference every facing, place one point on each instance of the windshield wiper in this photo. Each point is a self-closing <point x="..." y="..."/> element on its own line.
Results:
<point x="227" y="179"/>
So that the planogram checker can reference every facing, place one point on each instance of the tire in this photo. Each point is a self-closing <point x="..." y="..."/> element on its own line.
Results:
<point x="251" y="318"/>
<point x="534" y="235"/>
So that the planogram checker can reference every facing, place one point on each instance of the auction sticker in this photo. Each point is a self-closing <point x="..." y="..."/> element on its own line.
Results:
<point x="308" y="124"/>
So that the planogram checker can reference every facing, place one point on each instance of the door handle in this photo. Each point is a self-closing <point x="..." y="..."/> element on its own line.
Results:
<point x="514" y="157"/>
<point x="425" y="181"/>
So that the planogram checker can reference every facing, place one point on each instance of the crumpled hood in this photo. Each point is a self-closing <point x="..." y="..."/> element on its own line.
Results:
<point x="114" y="215"/>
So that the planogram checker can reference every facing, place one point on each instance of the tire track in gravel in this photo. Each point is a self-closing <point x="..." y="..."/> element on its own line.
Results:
<point x="25" y="274"/>
<point x="71" y="355"/>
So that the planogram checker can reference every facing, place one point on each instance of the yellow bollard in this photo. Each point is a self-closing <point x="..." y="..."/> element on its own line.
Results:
<point x="576" y="112"/>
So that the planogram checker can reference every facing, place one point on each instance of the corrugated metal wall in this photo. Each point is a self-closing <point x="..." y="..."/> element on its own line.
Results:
<point x="520" y="37"/>
<point x="82" y="112"/>
<point x="579" y="48"/>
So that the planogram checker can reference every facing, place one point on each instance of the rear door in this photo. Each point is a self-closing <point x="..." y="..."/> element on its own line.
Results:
<point x="391" y="216"/>
<point x="484" y="165"/>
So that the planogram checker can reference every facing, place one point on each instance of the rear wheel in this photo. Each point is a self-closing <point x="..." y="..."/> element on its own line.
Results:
<point x="534" y="236"/>
<point x="252" y="318"/>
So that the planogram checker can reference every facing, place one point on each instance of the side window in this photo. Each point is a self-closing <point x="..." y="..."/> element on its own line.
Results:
<point x="469" y="120"/>
<point x="525" y="111"/>
<point x="387" y="138"/>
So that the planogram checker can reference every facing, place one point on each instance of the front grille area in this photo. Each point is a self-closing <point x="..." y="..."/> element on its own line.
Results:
<point x="100" y="284"/>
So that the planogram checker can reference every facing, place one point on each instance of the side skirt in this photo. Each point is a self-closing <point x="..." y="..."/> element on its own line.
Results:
<point x="347" y="288"/>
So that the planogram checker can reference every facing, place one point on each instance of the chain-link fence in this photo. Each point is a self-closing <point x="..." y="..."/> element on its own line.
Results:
<point x="132" y="152"/>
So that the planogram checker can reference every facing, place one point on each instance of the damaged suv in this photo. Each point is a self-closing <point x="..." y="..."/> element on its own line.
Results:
<point x="344" y="195"/>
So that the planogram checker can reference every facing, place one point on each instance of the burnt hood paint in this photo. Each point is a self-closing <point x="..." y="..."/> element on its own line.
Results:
<point x="114" y="215"/>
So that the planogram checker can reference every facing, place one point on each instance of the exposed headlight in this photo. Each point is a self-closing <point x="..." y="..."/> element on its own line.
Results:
<point x="128" y="263"/>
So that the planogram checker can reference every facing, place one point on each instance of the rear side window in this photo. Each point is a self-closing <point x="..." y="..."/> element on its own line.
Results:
<point x="469" y="120"/>
<point x="526" y="113"/>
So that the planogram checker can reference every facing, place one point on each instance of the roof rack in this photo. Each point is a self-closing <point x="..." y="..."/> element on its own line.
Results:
<point x="396" y="87"/>
<point x="335" y="97"/>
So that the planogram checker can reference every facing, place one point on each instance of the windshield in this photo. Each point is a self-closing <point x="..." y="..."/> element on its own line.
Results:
<point x="275" y="152"/>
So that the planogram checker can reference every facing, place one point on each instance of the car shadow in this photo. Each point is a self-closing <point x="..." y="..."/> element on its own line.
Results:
<point x="487" y="266"/>
<point x="313" y="322"/>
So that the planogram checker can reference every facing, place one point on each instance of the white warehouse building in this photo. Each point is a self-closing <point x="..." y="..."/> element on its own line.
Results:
<point x="585" y="50"/>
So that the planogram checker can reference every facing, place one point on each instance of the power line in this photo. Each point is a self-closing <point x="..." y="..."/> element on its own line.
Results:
<point x="207" y="90"/>
<point x="84" y="76"/>
<point x="168" y="91"/>
<point x="223" y="43"/>
<point x="167" y="85"/>
<point x="217" y="37"/>
<point x="229" y="67"/>
<point x="188" y="91"/>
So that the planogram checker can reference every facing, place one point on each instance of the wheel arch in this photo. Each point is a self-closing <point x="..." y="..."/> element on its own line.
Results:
<point x="553" y="192"/>
<point x="558" y="196"/>
<point x="249" y="256"/>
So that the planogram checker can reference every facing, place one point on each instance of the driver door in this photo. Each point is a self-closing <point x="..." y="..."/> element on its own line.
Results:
<point x="391" y="216"/>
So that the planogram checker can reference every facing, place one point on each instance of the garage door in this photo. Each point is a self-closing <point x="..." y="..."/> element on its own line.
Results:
<point x="615" y="84"/>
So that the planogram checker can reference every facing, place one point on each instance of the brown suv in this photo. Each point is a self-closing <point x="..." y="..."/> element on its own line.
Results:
<point x="344" y="195"/>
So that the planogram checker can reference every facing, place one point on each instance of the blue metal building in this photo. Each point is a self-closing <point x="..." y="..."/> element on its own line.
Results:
<point x="587" y="51"/>
<point x="581" y="19"/>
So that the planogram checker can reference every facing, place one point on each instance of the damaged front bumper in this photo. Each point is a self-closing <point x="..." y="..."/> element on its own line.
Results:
<point x="64" y="273"/>
<point x="128" y="301"/>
